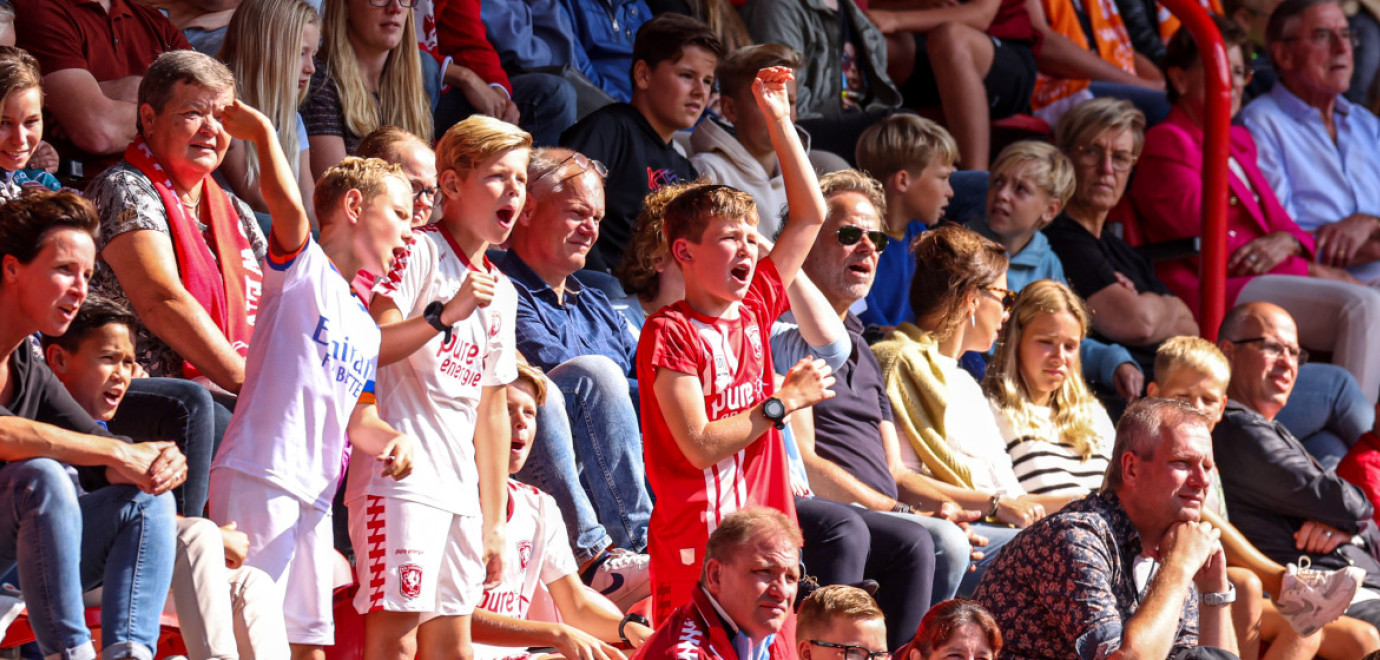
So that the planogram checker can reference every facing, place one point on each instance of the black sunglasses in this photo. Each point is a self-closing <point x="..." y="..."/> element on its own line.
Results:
<point x="850" y="235"/>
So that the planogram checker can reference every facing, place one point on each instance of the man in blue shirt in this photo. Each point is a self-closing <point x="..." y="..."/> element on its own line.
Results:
<point x="1320" y="152"/>
<point x="591" y="433"/>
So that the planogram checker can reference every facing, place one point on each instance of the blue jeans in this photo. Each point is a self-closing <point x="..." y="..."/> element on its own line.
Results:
<point x="1155" y="104"/>
<point x="126" y="543"/>
<point x="547" y="104"/>
<point x="177" y="410"/>
<point x="1327" y="412"/>
<point x="997" y="537"/>
<point x="588" y="456"/>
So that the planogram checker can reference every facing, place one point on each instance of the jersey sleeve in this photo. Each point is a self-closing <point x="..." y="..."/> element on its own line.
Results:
<point x="410" y="274"/>
<point x="768" y="291"/>
<point x="307" y="264"/>
<point x="558" y="561"/>
<point x="672" y="345"/>
<point x="500" y="362"/>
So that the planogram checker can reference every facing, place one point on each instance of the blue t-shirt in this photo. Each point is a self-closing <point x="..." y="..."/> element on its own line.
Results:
<point x="888" y="303"/>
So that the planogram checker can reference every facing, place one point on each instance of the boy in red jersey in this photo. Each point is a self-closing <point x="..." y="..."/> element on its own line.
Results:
<point x="710" y="410"/>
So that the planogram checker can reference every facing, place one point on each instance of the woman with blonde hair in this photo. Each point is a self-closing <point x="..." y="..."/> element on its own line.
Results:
<point x="369" y="74"/>
<point x="1058" y="435"/>
<point x="272" y="80"/>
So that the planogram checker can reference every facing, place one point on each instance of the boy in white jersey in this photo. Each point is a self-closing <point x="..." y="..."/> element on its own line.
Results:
<point x="309" y="387"/>
<point x="538" y="552"/>
<point x="429" y="545"/>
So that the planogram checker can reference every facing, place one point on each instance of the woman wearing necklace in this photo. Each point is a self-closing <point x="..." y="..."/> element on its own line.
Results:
<point x="184" y="254"/>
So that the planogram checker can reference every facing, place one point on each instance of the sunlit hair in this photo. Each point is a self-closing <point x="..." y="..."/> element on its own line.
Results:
<point x="1051" y="169"/>
<point x="952" y="263"/>
<point x="181" y="66"/>
<point x="26" y="222"/>
<point x="904" y="142"/>
<point x="944" y="619"/>
<point x="533" y="376"/>
<point x="1073" y="408"/>
<point x="1196" y="353"/>
<point x="543" y="178"/>
<point x="476" y="139"/>
<point x="1142" y="427"/>
<point x="367" y="175"/>
<point x="387" y="142"/>
<point x="741" y="527"/>
<point x="402" y="99"/>
<point x="266" y="72"/>
<point x="688" y="214"/>
<point x="638" y="271"/>
<point x="825" y="604"/>
<point x="842" y="181"/>
<point x="1091" y="118"/>
<point x="739" y="68"/>
<point x="18" y="72"/>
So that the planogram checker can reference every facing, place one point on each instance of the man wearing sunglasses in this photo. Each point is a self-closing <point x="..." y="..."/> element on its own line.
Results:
<point x="1319" y="151"/>
<point x="1280" y="497"/>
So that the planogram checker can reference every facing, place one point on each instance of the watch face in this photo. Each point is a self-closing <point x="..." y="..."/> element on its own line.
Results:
<point x="774" y="409"/>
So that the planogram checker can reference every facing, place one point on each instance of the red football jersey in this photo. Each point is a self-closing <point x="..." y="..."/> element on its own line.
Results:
<point x="732" y="359"/>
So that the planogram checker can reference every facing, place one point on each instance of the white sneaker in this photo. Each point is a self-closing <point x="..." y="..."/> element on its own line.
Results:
<point x="622" y="576"/>
<point x="1312" y="598"/>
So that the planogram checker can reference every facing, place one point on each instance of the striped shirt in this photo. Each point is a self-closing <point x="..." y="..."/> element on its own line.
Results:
<point x="1046" y="465"/>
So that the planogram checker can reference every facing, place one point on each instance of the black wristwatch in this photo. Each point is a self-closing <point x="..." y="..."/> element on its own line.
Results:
<point x="775" y="412"/>
<point x="635" y="618"/>
<point x="432" y="314"/>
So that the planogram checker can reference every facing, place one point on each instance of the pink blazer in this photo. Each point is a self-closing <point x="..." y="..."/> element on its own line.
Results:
<point x="1167" y="195"/>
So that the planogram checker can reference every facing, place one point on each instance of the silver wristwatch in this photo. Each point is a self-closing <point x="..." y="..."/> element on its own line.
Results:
<point x="1219" y="599"/>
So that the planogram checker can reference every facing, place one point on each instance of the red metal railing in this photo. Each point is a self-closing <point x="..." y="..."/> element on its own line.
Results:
<point x="1216" y="140"/>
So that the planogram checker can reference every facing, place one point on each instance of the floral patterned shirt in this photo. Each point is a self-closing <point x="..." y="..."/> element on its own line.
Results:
<point x="126" y="201"/>
<point x="1064" y="587"/>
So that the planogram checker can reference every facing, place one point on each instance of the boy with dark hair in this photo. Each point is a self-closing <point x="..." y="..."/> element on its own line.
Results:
<point x="674" y="58"/>
<point x="711" y="413"/>
<point x="309" y="387"/>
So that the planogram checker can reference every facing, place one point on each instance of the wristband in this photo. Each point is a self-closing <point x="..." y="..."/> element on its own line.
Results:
<point x="635" y="618"/>
<point x="1219" y="599"/>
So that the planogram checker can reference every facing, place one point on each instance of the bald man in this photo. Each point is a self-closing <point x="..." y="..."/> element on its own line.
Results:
<point x="1279" y="496"/>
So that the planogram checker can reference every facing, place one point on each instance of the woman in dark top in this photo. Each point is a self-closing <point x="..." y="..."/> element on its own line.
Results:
<point x="1103" y="138"/>
<point x="47" y="253"/>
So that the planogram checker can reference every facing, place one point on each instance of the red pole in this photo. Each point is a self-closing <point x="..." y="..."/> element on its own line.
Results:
<point x="1212" y="262"/>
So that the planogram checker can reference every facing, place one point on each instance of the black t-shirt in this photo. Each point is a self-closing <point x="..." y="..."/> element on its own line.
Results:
<point x="638" y="161"/>
<point x="41" y="397"/>
<point x="847" y="426"/>
<point x="1091" y="265"/>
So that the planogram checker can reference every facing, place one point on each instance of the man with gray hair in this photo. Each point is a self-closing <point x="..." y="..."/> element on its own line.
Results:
<point x="1319" y="151"/>
<point x="589" y="434"/>
<point x="742" y="607"/>
<point x="1132" y="569"/>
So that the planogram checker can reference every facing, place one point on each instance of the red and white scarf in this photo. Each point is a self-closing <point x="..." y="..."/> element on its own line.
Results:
<point x="229" y="284"/>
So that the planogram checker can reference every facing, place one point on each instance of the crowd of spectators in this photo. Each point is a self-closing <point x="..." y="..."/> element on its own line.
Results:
<point x="692" y="328"/>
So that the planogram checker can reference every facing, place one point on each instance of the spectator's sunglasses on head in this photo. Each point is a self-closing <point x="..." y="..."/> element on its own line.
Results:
<point x="851" y="234"/>
<point x="1272" y="349"/>
<point x="1090" y="155"/>
<point x="585" y="164"/>
<point x="1007" y="296"/>
<point x="854" y="652"/>
<point x="1323" y="37"/>
<point x="405" y="4"/>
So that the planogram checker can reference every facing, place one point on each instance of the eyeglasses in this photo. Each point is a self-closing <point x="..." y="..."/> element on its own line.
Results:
<point x="1272" y="349"/>
<point x="586" y="164"/>
<point x="405" y="4"/>
<point x="1007" y="296"/>
<point x="850" y="235"/>
<point x="1089" y="155"/>
<point x="1243" y="76"/>
<point x="419" y="191"/>
<point x="854" y="652"/>
<point x="1323" y="37"/>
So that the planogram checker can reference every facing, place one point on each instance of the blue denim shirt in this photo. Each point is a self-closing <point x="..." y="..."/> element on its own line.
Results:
<point x="550" y="332"/>
<point x="1317" y="181"/>
<point x="604" y="31"/>
<point x="530" y="34"/>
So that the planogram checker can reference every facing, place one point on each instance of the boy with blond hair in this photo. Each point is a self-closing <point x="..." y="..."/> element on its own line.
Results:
<point x="309" y="386"/>
<point x="430" y="545"/>
<point x="711" y="412"/>
<point x="913" y="157"/>
<point x="839" y="617"/>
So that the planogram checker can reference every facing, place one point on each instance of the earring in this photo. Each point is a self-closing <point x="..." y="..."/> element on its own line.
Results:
<point x="972" y="319"/>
